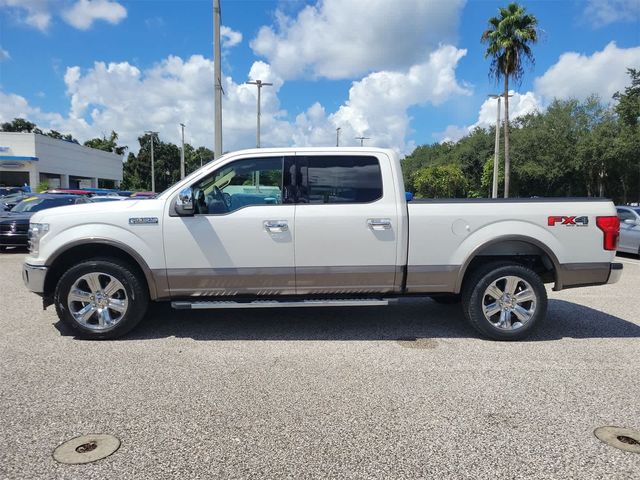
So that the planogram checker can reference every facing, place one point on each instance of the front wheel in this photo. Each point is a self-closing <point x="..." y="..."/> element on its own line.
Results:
<point x="504" y="301"/>
<point x="101" y="298"/>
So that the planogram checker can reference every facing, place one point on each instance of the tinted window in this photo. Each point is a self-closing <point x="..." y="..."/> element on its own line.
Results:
<point x="625" y="214"/>
<point x="252" y="181"/>
<point x="35" y="204"/>
<point x="335" y="179"/>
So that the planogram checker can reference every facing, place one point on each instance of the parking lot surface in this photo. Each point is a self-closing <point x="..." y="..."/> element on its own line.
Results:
<point x="408" y="391"/>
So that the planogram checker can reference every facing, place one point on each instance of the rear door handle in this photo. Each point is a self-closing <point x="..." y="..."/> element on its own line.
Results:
<point x="276" y="226"/>
<point x="379" y="223"/>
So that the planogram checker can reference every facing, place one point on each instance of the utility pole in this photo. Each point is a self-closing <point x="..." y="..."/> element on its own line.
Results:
<point x="338" y="136"/>
<point x="259" y="84"/>
<point x="496" y="157"/>
<point x="362" y="139"/>
<point x="182" y="154"/>
<point x="153" y="168"/>
<point x="217" y="73"/>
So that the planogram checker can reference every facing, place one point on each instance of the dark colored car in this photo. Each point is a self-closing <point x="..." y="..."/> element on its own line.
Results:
<point x="14" y="224"/>
<point x="4" y="191"/>
<point x="9" y="201"/>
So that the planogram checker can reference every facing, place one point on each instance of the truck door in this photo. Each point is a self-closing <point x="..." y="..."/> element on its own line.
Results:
<point x="240" y="240"/>
<point x="346" y="224"/>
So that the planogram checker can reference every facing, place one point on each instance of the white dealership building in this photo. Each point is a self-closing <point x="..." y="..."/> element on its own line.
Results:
<point x="32" y="158"/>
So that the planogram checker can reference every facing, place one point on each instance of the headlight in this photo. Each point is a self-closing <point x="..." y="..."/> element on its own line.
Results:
<point x="36" y="232"/>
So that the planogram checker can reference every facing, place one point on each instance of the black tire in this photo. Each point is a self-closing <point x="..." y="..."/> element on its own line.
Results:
<point x="135" y="287"/>
<point x="447" y="299"/>
<point x="473" y="299"/>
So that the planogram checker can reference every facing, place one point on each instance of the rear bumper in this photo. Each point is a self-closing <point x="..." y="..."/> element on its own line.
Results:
<point x="573" y="275"/>
<point x="33" y="277"/>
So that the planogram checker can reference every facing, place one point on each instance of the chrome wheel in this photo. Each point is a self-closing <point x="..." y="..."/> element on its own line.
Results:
<point x="509" y="303"/>
<point x="97" y="301"/>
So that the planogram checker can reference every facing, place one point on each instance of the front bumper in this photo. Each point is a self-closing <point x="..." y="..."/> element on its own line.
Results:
<point x="34" y="276"/>
<point x="615" y="273"/>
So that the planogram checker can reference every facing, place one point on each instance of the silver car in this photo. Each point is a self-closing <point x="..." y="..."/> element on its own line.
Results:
<point x="629" y="229"/>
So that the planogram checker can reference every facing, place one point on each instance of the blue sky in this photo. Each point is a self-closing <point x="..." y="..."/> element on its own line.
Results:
<point x="403" y="73"/>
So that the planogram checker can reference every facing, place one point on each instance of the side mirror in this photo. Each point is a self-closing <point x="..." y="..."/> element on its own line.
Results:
<point x="408" y="196"/>
<point x="184" y="202"/>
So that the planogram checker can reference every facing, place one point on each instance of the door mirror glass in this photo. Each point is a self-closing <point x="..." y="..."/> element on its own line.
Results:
<point x="184" y="202"/>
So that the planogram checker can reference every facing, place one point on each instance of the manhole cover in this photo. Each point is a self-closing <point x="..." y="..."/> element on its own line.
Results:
<point x="86" y="449"/>
<point x="622" y="438"/>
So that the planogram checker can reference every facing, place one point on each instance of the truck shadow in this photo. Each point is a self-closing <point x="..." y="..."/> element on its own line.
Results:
<point x="409" y="320"/>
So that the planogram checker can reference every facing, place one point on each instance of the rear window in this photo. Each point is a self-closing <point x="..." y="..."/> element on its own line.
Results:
<point x="336" y="179"/>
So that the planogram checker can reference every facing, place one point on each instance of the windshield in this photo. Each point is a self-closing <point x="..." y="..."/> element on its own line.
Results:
<point x="34" y="204"/>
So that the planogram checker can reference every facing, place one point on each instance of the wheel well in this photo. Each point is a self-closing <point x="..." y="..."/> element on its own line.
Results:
<point x="521" y="252"/>
<point x="77" y="254"/>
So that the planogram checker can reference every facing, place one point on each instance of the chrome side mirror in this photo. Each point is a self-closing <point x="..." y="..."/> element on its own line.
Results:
<point x="184" y="202"/>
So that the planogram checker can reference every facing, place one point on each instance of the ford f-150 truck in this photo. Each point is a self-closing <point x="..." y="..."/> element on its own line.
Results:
<point x="301" y="227"/>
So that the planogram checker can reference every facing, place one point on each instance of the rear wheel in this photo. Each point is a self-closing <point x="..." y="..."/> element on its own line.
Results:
<point x="504" y="301"/>
<point x="101" y="298"/>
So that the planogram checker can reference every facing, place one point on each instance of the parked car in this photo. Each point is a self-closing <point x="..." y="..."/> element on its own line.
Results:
<point x="629" y="229"/>
<point x="142" y="194"/>
<point x="9" y="201"/>
<point x="69" y="191"/>
<point x="14" y="224"/>
<point x="313" y="227"/>
<point x="4" y="191"/>
<point x="106" y="198"/>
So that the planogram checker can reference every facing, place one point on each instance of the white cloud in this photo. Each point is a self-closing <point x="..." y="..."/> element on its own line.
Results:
<point x="605" y="12"/>
<point x="348" y="38"/>
<point x="34" y="13"/>
<point x="519" y="105"/>
<point x="4" y="55"/>
<point x="578" y="76"/>
<point x="121" y="97"/>
<point x="230" y="38"/>
<point x="84" y="12"/>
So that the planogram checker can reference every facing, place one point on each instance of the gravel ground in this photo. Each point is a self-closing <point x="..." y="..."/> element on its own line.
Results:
<point x="408" y="391"/>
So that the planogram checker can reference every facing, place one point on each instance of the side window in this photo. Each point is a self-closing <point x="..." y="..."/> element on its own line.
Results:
<point x="336" y="179"/>
<point x="625" y="215"/>
<point x="251" y="181"/>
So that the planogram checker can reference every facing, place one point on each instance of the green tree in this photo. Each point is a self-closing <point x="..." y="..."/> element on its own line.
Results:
<point x="20" y="125"/>
<point x="440" y="181"/>
<point x="509" y="37"/>
<point x="107" y="144"/>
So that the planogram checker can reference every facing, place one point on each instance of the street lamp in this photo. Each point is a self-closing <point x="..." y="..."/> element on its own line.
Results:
<point x="182" y="154"/>
<point x="362" y="139"/>
<point x="153" y="171"/>
<point x="259" y="84"/>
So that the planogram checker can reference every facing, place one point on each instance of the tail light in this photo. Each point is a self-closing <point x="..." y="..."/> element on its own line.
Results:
<point x="610" y="226"/>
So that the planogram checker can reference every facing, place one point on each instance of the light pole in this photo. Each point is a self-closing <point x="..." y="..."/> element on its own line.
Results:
<point x="362" y="139"/>
<point x="217" y="73"/>
<point x="153" y="168"/>
<point x="182" y="154"/>
<point x="259" y="84"/>
<point x="496" y="167"/>
<point x="338" y="136"/>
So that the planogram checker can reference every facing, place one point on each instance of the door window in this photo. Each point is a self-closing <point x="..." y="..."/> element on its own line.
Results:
<point x="239" y="184"/>
<point x="336" y="179"/>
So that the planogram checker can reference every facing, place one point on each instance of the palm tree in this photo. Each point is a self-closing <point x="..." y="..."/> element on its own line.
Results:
<point x="508" y="38"/>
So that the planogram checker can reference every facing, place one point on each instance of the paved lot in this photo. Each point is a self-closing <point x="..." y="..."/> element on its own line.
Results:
<point x="335" y="393"/>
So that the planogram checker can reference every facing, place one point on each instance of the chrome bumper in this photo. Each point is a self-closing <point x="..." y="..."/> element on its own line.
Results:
<point x="615" y="273"/>
<point x="33" y="277"/>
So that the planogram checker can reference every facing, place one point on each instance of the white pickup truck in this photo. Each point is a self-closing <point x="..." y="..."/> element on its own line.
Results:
<point x="299" y="227"/>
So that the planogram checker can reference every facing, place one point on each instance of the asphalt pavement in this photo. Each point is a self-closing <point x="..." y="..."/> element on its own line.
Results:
<point x="408" y="391"/>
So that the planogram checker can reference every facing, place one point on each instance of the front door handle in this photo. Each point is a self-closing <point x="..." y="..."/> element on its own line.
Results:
<point x="276" y="226"/>
<point x="379" y="223"/>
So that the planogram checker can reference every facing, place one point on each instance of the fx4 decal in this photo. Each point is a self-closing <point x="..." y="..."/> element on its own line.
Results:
<point x="568" y="221"/>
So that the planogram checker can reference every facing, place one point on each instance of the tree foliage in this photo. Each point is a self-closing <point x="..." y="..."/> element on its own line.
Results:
<point x="20" y="125"/>
<point x="573" y="148"/>
<point x="107" y="144"/>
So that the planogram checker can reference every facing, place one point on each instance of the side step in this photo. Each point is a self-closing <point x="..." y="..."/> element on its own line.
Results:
<point x="203" y="305"/>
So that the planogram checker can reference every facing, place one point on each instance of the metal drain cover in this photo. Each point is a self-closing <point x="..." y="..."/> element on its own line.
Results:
<point x="622" y="438"/>
<point x="86" y="449"/>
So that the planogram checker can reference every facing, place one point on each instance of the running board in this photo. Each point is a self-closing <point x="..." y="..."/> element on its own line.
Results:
<point x="204" y="305"/>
